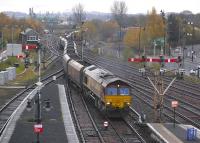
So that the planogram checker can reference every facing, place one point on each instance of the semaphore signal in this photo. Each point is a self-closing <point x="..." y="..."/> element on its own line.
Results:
<point x="168" y="60"/>
<point x="158" y="83"/>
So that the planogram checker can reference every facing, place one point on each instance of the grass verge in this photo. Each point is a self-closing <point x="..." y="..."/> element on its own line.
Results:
<point x="10" y="63"/>
<point x="27" y="77"/>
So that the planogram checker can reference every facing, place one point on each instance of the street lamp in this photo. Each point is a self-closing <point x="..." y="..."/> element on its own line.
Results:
<point x="2" y="35"/>
<point x="82" y="40"/>
<point x="164" y="21"/>
<point x="12" y="33"/>
<point x="12" y="38"/>
<point x="143" y="28"/>
<point x="1" y="40"/>
<point x="192" y="35"/>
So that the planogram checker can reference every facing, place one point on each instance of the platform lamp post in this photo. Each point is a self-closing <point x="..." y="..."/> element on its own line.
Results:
<point x="38" y="128"/>
<point x="39" y="83"/>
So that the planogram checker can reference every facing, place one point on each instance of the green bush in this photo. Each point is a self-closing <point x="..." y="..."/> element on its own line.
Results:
<point x="10" y="63"/>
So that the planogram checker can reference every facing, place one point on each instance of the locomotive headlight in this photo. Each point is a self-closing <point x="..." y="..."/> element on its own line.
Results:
<point x="108" y="103"/>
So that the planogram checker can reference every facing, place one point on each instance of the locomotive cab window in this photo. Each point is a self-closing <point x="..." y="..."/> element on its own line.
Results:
<point x="111" y="91"/>
<point x="124" y="91"/>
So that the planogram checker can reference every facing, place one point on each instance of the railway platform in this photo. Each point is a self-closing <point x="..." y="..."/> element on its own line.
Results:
<point x="167" y="133"/>
<point x="57" y="123"/>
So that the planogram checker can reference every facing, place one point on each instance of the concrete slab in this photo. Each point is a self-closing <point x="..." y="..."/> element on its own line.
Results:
<point x="170" y="134"/>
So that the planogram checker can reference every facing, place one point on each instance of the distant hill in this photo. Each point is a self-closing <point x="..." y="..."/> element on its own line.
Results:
<point x="89" y="15"/>
<point x="97" y="15"/>
<point x="17" y="15"/>
<point x="186" y="12"/>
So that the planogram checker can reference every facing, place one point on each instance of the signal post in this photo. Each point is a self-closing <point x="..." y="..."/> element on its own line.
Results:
<point x="158" y="83"/>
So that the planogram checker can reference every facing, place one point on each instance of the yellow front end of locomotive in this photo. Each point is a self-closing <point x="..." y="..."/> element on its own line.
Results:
<point x="117" y="101"/>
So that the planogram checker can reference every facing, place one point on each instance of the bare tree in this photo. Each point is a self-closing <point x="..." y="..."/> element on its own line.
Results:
<point x="78" y="14"/>
<point x="119" y="10"/>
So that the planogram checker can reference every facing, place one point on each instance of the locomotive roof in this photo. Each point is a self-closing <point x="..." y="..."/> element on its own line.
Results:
<point x="101" y="75"/>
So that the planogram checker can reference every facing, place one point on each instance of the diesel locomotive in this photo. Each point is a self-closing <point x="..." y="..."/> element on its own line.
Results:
<point x="111" y="94"/>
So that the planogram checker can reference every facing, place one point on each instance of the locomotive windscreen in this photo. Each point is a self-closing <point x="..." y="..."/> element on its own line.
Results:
<point x="117" y="91"/>
<point x="111" y="91"/>
<point x="124" y="91"/>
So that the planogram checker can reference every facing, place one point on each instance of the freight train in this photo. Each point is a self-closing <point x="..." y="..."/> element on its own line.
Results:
<point x="111" y="94"/>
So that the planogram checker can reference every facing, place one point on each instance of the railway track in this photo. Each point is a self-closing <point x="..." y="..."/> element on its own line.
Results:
<point x="89" y="114"/>
<point x="125" y="131"/>
<point x="88" y="131"/>
<point x="115" y="65"/>
<point x="140" y="129"/>
<point x="8" y="110"/>
<point x="91" y="121"/>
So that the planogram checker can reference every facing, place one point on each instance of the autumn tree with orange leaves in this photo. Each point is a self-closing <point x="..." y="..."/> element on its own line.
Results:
<point x="90" y="30"/>
<point x="108" y="29"/>
<point x="154" y="28"/>
<point x="14" y="26"/>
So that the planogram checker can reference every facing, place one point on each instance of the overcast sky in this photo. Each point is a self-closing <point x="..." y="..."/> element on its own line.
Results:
<point x="134" y="6"/>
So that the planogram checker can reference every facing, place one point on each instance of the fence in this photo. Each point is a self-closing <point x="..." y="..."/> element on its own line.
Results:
<point x="7" y="75"/>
